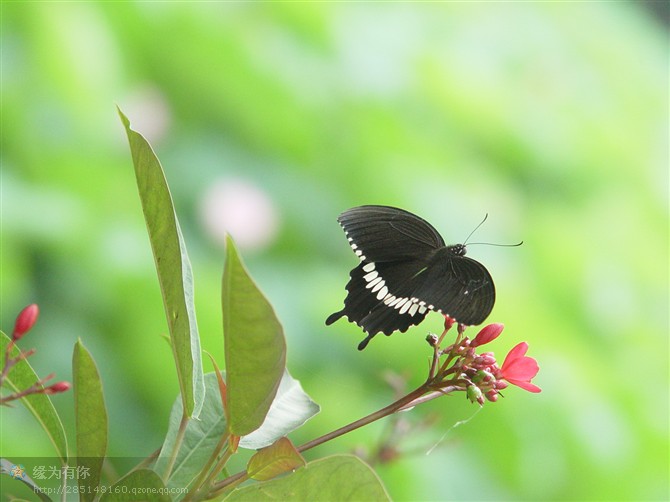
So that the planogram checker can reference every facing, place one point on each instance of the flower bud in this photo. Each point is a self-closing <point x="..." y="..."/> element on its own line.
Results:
<point x="487" y="334"/>
<point x="500" y="385"/>
<point x="474" y="394"/>
<point x="57" y="387"/>
<point x="431" y="339"/>
<point x="448" y="322"/>
<point x="482" y="376"/>
<point x="24" y="321"/>
<point x="492" y="395"/>
<point x="484" y="361"/>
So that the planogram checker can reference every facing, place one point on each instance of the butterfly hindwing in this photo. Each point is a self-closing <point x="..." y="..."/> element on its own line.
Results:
<point x="379" y="297"/>
<point x="459" y="287"/>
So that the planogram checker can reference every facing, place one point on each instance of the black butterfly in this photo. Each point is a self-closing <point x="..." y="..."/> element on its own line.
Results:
<point x="406" y="270"/>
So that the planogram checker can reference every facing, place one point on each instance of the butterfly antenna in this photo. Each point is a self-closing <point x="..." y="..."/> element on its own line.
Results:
<point x="498" y="245"/>
<point x="480" y="224"/>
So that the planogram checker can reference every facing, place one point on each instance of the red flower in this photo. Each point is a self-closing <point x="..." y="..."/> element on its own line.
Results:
<point x="487" y="334"/>
<point x="519" y="369"/>
<point x="24" y="321"/>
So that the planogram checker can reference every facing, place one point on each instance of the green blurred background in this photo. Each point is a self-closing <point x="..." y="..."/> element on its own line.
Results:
<point x="270" y="119"/>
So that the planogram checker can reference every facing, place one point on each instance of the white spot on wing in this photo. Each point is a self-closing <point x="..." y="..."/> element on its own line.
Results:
<point x="422" y="309"/>
<point x="400" y="303"/>
<point x="405" y="307"/>
<point x="382" y="293"/>
<point x="379" y="286"/>
<point x="373" y="282"/>
<point x="412" y="310"/>
<point x="388" y="301"/>
<point x="369" y="267"/>
<point x="370" y="276"/>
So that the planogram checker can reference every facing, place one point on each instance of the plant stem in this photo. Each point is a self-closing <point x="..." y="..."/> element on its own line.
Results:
<point x="430" y="396"/>
<point x="372" y="417"/>
<point x="177" y="445"/>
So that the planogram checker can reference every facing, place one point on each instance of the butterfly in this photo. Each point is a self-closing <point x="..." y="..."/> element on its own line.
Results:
<point x="406" y="270"/>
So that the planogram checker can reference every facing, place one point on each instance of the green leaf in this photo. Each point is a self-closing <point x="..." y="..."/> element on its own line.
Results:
<point x="290" y="408"/>
<point x="339" y="477"/>
<point x="20" y="378"/>
<point x="140" y="485"/>
<point x="173" y="266"/>
<point x="6" y="469"/>
<point x="90" y="420"/>
<point x="200" y="438"/>
<point x="276" y="459"/>
<point x="255" y="348"/>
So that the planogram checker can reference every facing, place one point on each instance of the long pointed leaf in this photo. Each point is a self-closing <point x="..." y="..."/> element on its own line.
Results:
<point x="255" y="348"/>
<point x="90" y="420"/>
<point x="173" y="266"/>
<point x="20" y="378"/>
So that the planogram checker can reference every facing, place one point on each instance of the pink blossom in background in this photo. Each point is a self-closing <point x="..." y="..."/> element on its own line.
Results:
<point x="242" y="209"/>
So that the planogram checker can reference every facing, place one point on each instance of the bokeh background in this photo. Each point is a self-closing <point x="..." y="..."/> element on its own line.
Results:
<point x="270" y="119"/>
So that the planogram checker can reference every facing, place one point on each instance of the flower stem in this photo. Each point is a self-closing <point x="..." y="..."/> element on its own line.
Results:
<point x="372" y="417"/>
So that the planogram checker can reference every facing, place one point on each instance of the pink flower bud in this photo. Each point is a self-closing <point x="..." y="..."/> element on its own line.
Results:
<point x="492" y="395"/>
<point x="500" y="385"/>
<point x="24" y="321"/>
<point x="487" y="334"/>
<point x="448" y="322"/>
<point x="57" y="387"/>
<point x="484" y="361"/>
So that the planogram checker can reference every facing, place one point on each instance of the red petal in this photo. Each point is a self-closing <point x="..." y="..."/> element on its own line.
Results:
<point x="517" y="352"/>
<point x="525" y="369"/>
<point x="525" y="385"/>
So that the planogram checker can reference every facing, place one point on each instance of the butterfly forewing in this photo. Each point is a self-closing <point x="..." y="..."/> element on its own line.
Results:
<point x="381" y="233"/>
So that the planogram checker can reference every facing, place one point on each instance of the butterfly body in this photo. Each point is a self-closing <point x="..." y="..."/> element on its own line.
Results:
<point x="405" y="271"/>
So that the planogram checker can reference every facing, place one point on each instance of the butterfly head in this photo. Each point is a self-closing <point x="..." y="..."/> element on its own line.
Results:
<point x="458" y="249"/>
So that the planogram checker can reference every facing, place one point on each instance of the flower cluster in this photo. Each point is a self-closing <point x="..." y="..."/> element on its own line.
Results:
<point x="24" y="323"/>
<point x="478" y="373"/>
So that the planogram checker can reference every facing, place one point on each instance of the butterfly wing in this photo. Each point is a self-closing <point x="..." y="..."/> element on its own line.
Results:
<point x="406" y="270"/>
<point x="379" y="298"/>
<point x="382" y="233"/>
<point x="457" y="286"/>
